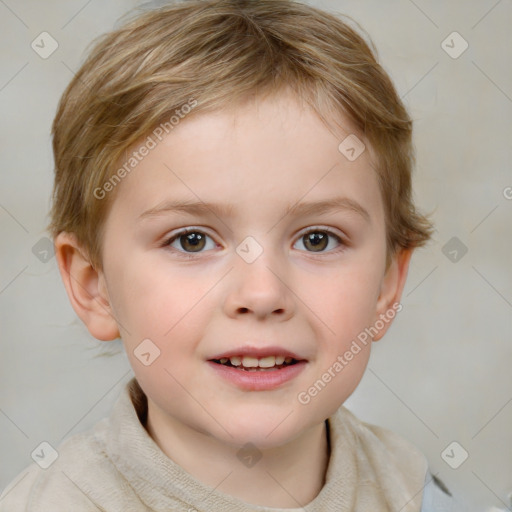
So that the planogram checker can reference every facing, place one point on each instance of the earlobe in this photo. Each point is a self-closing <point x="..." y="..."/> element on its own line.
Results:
<point x="391" y="290"/>
<point x="85" y="287"/>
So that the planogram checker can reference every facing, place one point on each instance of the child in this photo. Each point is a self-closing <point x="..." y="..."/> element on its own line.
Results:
<point x="233" y="199"/>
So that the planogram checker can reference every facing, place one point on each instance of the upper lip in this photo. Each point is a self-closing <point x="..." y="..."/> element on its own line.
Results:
<point x="257" y="352"/>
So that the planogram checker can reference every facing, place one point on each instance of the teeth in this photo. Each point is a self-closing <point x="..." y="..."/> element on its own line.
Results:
<point x="253" y="363"/>
<point x="235" y="361"/>
<point x="250" y="362"/>
<point x="267" y="362"/>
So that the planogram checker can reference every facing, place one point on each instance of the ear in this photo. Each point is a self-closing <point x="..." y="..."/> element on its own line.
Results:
<point x="391" y="289"/>
<point x="86" y="288"/>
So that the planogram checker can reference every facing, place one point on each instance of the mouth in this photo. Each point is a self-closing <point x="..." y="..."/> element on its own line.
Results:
<point x="258" y="368"/>
<point x="257" y="364"/>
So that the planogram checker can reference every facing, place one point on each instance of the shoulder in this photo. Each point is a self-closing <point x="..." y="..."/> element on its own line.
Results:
<point x="391" y="463"/>
<point x="54" y="488"/>
<point x="377" y="444"/>
<point x="84" y="478"/>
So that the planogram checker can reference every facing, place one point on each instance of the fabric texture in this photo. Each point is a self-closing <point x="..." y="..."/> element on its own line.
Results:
<point x="117" y="467"/>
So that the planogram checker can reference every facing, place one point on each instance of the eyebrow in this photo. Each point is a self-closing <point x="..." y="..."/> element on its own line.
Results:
<point x="333" y="205"/>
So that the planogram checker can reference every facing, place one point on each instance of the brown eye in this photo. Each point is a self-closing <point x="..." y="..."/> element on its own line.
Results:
<point x="320" y="240"/>
<point x="316" y="241"/>
<point x="193" y="242"/>
<point x="190" y="241"/>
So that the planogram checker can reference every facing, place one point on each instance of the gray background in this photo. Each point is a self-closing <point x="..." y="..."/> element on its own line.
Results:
<point x="441" y="374"/>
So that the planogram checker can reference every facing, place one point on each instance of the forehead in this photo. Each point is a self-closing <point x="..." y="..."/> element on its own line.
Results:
<point x="263" y="153"/>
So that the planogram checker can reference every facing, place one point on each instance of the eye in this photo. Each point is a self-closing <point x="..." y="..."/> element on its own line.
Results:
<point x="320" y="240"/>
<point x="190" y="241"/>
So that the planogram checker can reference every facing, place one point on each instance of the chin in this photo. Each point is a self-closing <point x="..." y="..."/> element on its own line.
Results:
<point x="265" y="431"/>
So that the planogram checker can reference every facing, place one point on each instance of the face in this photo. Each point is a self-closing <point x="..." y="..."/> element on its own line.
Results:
<point x="246" y="236"/>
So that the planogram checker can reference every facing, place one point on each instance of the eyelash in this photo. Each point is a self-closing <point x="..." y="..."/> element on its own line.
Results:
<point x="191" y="255"/>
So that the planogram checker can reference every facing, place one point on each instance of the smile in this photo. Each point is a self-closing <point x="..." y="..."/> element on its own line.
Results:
<point x="257" y="369"/>
<point x="254" y="364"/>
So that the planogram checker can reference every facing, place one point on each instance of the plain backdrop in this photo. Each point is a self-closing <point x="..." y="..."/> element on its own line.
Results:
<point x="441" y="374"/>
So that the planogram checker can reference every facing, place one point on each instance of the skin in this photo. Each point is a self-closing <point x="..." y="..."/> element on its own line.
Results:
<point x="260" y="158"/>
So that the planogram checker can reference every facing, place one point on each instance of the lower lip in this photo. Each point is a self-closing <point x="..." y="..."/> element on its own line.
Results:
<point x="260" y="380"/>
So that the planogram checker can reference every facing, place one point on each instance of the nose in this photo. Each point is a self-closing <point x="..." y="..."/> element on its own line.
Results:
<point x="259" y="289"/>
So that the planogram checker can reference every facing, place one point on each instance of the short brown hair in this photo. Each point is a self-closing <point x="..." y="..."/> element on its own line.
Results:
<point x="218" y="52"/>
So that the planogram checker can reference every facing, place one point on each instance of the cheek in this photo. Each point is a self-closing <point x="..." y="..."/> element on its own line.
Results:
<point x="345" y="302"/>
<point x="344" y="374"/>
<point x="156" y="302"/>
<point x="162" y="306"/>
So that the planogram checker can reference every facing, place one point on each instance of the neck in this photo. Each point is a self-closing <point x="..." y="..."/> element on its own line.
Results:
<point x="287" y="476"/>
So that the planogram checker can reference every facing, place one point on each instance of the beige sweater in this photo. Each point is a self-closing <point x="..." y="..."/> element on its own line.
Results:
<point x="117" y="467"/>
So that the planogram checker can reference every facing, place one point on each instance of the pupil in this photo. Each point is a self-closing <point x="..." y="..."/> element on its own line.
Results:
<point x="318" y="241"/>
<point x="194" y="241"/>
